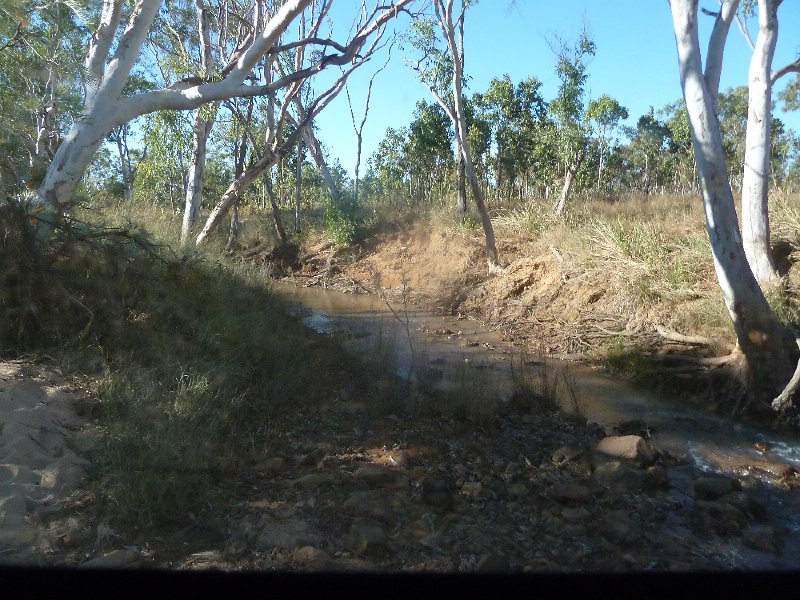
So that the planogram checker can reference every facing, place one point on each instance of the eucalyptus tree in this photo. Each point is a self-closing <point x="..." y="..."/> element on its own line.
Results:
<point x="289" y="73"/>
<point x="358" y="126"/>
<point x="679" y="157"/>
<point x="390" y="164"/>
<point x="646" y="152"/>
<point x="606" y="113"/>
<point x="316" y="151"/>
<point x="436" y="66"/>
<point x="428" y="149"/>
<point x="764" y="351"/>
<point x="732" y="116"/>
<point x="40" y="81"/>
<point x="755" y="183"/>
<point x="204" y="115"/>
<point x="114" y="50"/>
<point x="517" y="114"/>
<point x="569" y="110"/>
<point x="162" y="174"/>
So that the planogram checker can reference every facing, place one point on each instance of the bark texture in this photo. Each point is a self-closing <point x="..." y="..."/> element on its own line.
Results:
<point x="765" y="345"/>
<point x="755" y="185"/>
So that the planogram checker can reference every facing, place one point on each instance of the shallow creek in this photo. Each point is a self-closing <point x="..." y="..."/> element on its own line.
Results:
<point x="448" y="352"/>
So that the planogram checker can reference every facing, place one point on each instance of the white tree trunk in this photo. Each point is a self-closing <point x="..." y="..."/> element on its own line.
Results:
<point x="318" y="157"/>
<point x="104" y="108"/>
<point x="103" y="88"/>
<point x="764" y="343"/>
<point x="755" y="185"/>
<point x="194" y="189"/>
<point x="200" y="132"/>
<point x="446" y="23"/>
<point x="569" y="178"/>
<point x="314" y="147"/>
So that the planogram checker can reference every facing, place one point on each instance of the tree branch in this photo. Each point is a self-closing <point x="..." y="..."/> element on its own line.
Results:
<point x="716" y="47"/>
<point x="786" y="69"/>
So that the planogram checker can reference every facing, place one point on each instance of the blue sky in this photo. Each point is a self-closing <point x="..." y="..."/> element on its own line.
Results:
<point x="635" y="62"/>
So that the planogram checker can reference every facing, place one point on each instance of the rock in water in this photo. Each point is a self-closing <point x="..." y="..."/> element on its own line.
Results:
<point x="629" y="447"/>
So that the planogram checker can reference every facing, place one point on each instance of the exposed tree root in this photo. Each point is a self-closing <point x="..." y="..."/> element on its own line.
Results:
<point x="674" y="336"/>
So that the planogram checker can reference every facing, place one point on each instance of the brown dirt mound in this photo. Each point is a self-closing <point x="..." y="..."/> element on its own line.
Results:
<point x="545" y="299"/>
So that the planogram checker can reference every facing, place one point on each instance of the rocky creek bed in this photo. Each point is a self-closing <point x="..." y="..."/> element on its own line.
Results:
<point x="346" y="489"/>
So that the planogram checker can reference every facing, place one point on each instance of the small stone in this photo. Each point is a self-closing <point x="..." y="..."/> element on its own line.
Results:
<point x="369" y="503"/>
<point x="62" y="475"/>
<point x="399" y="458"/>
<point x="712" y="488"/>
<point x="518" y="490"/>
<point x="619" y="527"/>
<point x="719" y="518"/>
<point x="762" y="446"/>
<point x="271" y="466"/>
<point x="284" y="535"/>
<point x="73" y="537"/>
<point x="761" y="538"/>
<point x="606" y="471"/>
<point x="657" y="478"/>
<point x="747" y="504"/>
<point x="310" y="481"/>
<point x="567" y="453"/>
<point x="369" y="539"/>
<point x="629" y="447"/>
<point x="309" y="556"/>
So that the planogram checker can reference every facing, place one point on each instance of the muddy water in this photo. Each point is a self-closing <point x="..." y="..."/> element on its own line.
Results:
<point x="448" y="353"/>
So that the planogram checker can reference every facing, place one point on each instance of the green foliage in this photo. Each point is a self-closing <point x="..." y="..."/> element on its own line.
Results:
<point x="624" y="359"/>
<point x="790" y="95"/>
<point x="343" y="222"/>
<point x="40" y="79"/>
<point x="516" y="116"/>
<point x="167" y="136"/>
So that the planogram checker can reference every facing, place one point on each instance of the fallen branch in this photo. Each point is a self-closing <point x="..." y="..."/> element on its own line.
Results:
<point x="674" y="336"/>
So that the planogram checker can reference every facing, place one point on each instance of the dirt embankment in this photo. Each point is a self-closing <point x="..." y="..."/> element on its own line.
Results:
<point x="544" y="301"/>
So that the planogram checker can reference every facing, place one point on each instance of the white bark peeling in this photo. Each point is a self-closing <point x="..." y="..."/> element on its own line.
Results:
<point x="758" y="138"/>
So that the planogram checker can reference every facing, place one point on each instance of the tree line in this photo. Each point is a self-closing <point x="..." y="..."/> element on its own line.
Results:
<point x="517" y="143"/>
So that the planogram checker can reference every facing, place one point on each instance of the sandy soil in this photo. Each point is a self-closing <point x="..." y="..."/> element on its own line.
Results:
<point x="42" y="472"/>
